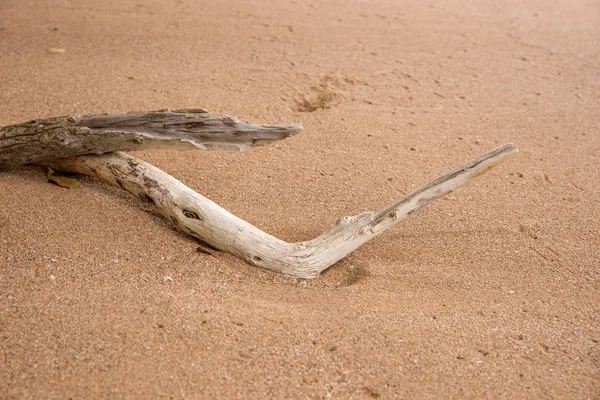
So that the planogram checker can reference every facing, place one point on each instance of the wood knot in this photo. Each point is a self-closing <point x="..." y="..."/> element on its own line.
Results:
<point x="344" y="221"/>
<point x="192" y="215"/>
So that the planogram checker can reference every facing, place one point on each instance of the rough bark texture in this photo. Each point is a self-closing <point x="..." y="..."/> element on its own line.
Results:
<point x="201" y="218"/>
<point x="48" y="139"/>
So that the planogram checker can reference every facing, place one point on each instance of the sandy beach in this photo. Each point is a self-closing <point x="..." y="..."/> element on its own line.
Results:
<point x="490" y="292"/>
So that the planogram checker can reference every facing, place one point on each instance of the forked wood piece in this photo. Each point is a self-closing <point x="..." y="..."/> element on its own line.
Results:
<point x="198" y="216"/>
<point x="48" y="139"/>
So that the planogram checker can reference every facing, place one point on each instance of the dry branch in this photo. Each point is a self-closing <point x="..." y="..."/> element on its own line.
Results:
<point x="201" y="218"/>
<point x="49" y="139"/>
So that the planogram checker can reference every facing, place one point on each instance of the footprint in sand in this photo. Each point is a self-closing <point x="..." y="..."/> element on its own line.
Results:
<point x="326" y="94"/>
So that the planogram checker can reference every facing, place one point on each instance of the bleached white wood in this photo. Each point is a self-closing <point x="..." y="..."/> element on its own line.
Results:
<point x="198" y="216"/>
<point x="48" y="139"/>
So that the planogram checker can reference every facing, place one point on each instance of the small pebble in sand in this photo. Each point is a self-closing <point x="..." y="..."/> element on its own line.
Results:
<point x="55" y="50"/>
<point x="167" y="278"/>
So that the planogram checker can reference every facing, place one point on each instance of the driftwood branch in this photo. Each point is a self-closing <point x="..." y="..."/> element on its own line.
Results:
<point x="65" y="143"/>
<point x="49" y="139"/>
<point x="201" y="218"/>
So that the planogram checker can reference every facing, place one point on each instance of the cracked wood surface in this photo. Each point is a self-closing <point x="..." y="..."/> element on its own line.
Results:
<point x="41" y="140"/>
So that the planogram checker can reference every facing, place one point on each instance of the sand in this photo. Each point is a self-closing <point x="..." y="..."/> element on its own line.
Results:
<point x="493" y="291"/>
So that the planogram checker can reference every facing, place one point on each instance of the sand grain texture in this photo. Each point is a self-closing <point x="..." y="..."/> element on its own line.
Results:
<point x="492" y="291"/>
